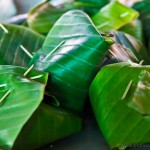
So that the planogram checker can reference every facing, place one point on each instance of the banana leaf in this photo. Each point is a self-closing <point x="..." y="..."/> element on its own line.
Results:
<point x="42" y="17"/>
<point x="71" y="53"/>
<point x="20" y="96"/>
<point x="143" y="8"/>
<point x="11" y="39"/>
<point x="127" y="48"/>
<point x="134" y="29"/>
<point x="91" y="7"/>
<point x="140" y="100"/>
<point x="25" y="122"/>
<point x="111" y="93"/>
<point x="47" y="125"/>
<point x="113" y="16"/>
<point x="99" y="3"/>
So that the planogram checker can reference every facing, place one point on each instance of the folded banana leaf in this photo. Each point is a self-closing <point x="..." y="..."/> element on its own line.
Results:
<point x="14" y="39"/>
<point x="47" y="125"/>
<point x="113" y="16"/>
<point x="42" y="17"/>
<point x="25" y="123"/>
<point x="143" y="8"/>
<point x="20" y="96"/>
<point x="134" y="29"/>
<point x="111" y="94"/>
<point x="128" y="48"/>
<point x="71" y="53"/>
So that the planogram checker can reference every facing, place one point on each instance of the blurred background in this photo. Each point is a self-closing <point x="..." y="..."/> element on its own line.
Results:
<point x="9" y="8"/>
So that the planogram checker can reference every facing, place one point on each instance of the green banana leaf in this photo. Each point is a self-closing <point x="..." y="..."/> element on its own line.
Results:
<point x="91" y="7"/>
<point x="47" y="125"/>
<point x="144" y="9"/>
<point x="71" y="53"/>
<point x="128" y="48"/>
<point x="113" y="16"/>
<point x="11" y="39"/>
<point x="42" y="17"/>
<point x="99" y="3"/>
<point x="134" y="29"/>
<point x="25" y="122"/>
<point x="140" y="100"/>
<point x="20" y="96"/>
<point x="111" y="92"/>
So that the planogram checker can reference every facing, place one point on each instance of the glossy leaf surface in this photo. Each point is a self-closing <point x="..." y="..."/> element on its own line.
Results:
<point x="10" y="51"/>
<point x="110" y="93"/>
<point x="113" y="16"/>
<point x="18" y="106"/>
<point x="71" y="53"/>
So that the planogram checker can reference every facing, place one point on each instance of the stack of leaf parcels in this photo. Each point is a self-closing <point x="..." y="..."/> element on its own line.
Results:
<point x="60" y="56"/>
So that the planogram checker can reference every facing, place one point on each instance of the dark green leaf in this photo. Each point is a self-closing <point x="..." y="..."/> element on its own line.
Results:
<point x="42" y="17"/>
<point x="91" y="7"/>
<point x="113" y="16"/>
<point x="111" y="91"/>
<point x="98" y="3"/>
<point x="47" y="124"/>
<point x="144" y="8"/>
<point x="10" y="51"/>
<point x="71" y="53"/>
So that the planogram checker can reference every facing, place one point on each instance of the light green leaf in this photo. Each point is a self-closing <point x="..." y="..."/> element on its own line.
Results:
<point x="25" y="122"/>
<point x="24" y="97"/>
<point x="111" y="91"/>
<point x="113" y="16"/>
<point x="11" y="39"/>
<point x="134" y="29"/>
<point x="71" y="53"/>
